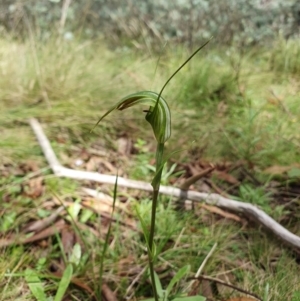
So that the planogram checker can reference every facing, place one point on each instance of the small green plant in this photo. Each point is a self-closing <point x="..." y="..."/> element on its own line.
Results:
<point x="165" y="295"/>
<point x="159" y="117"/>
<point x="36" y="285"/>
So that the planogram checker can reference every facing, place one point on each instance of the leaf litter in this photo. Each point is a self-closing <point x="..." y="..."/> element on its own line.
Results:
<point x="223" y="178"/>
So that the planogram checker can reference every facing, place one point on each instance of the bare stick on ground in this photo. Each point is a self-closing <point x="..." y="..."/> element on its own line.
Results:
<point x="248" y="210"/>
<point x="203" y="277"/>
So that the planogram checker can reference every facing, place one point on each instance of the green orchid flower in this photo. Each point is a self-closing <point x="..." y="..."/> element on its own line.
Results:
<point x="158" y="115"/>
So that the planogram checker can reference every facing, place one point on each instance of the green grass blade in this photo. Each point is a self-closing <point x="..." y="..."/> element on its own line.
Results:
<point x="35" y="285"/>
<point x="178" y="276"/>
<point x="64" y="283"/>
<point x="107" y="240"/>
<point x="145" y="229"/>
<point x="159" y="289"/>
<point x="266" y="293"/>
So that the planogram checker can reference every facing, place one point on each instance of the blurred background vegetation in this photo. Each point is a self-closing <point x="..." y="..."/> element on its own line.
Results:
<point x="242" y="22"/>
<point x="59" y="53"/>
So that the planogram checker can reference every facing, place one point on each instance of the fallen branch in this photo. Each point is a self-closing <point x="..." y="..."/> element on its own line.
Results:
<point x="203" y="277"/>
<point x="248" y="210"/>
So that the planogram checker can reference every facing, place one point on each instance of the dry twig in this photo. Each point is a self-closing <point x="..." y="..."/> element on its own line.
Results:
<point x="248" y="210"/>
<point x="227" y="284"/>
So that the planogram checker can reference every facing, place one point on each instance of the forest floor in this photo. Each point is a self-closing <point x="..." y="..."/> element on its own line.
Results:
<point x="234" y="112"/>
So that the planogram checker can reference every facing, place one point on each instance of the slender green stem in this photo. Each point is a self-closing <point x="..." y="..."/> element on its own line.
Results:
<point x="151" y="252"/>
<point x="159" y="156"/>
<point x="156" y="185"/>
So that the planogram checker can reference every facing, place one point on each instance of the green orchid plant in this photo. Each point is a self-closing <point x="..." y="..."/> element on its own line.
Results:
<point x="159" y="117"/>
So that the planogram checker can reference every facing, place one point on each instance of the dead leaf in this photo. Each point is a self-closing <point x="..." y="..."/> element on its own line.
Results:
<point x="100" y="165"/>
<point x="127" y="266"/>
<point x="205" y="164"/>
<point x="50" y="231"/>
<point x="205" y="289"/>
<point x="193" y="169"/>
<point x="68" y="239"/>
<point x="84" y="154"/>
<point x="34" y="188"/>
<point x="97" y="206"/>
<point x="110" y="167"/>
<point x="45" y="222"/>
<point x="279" y="170"/>
<point x="102" y="198"/>
<point x="108" y="293"/>
<point x="29" y="166"/>
<point x="272" y="100"/>
<point x="124" y="146"/>
<point x="62" y="139"/>
<point x="17" y="239"/>
<point x="93" y="163"/>
<point x="221" y="212"/>
<point x="221" y="175"/>
<point x="216" y="188"/>
<point x="98" y="152"/>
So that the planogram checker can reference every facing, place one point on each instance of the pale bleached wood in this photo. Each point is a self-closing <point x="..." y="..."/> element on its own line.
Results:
<point x="248" y="210"/>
